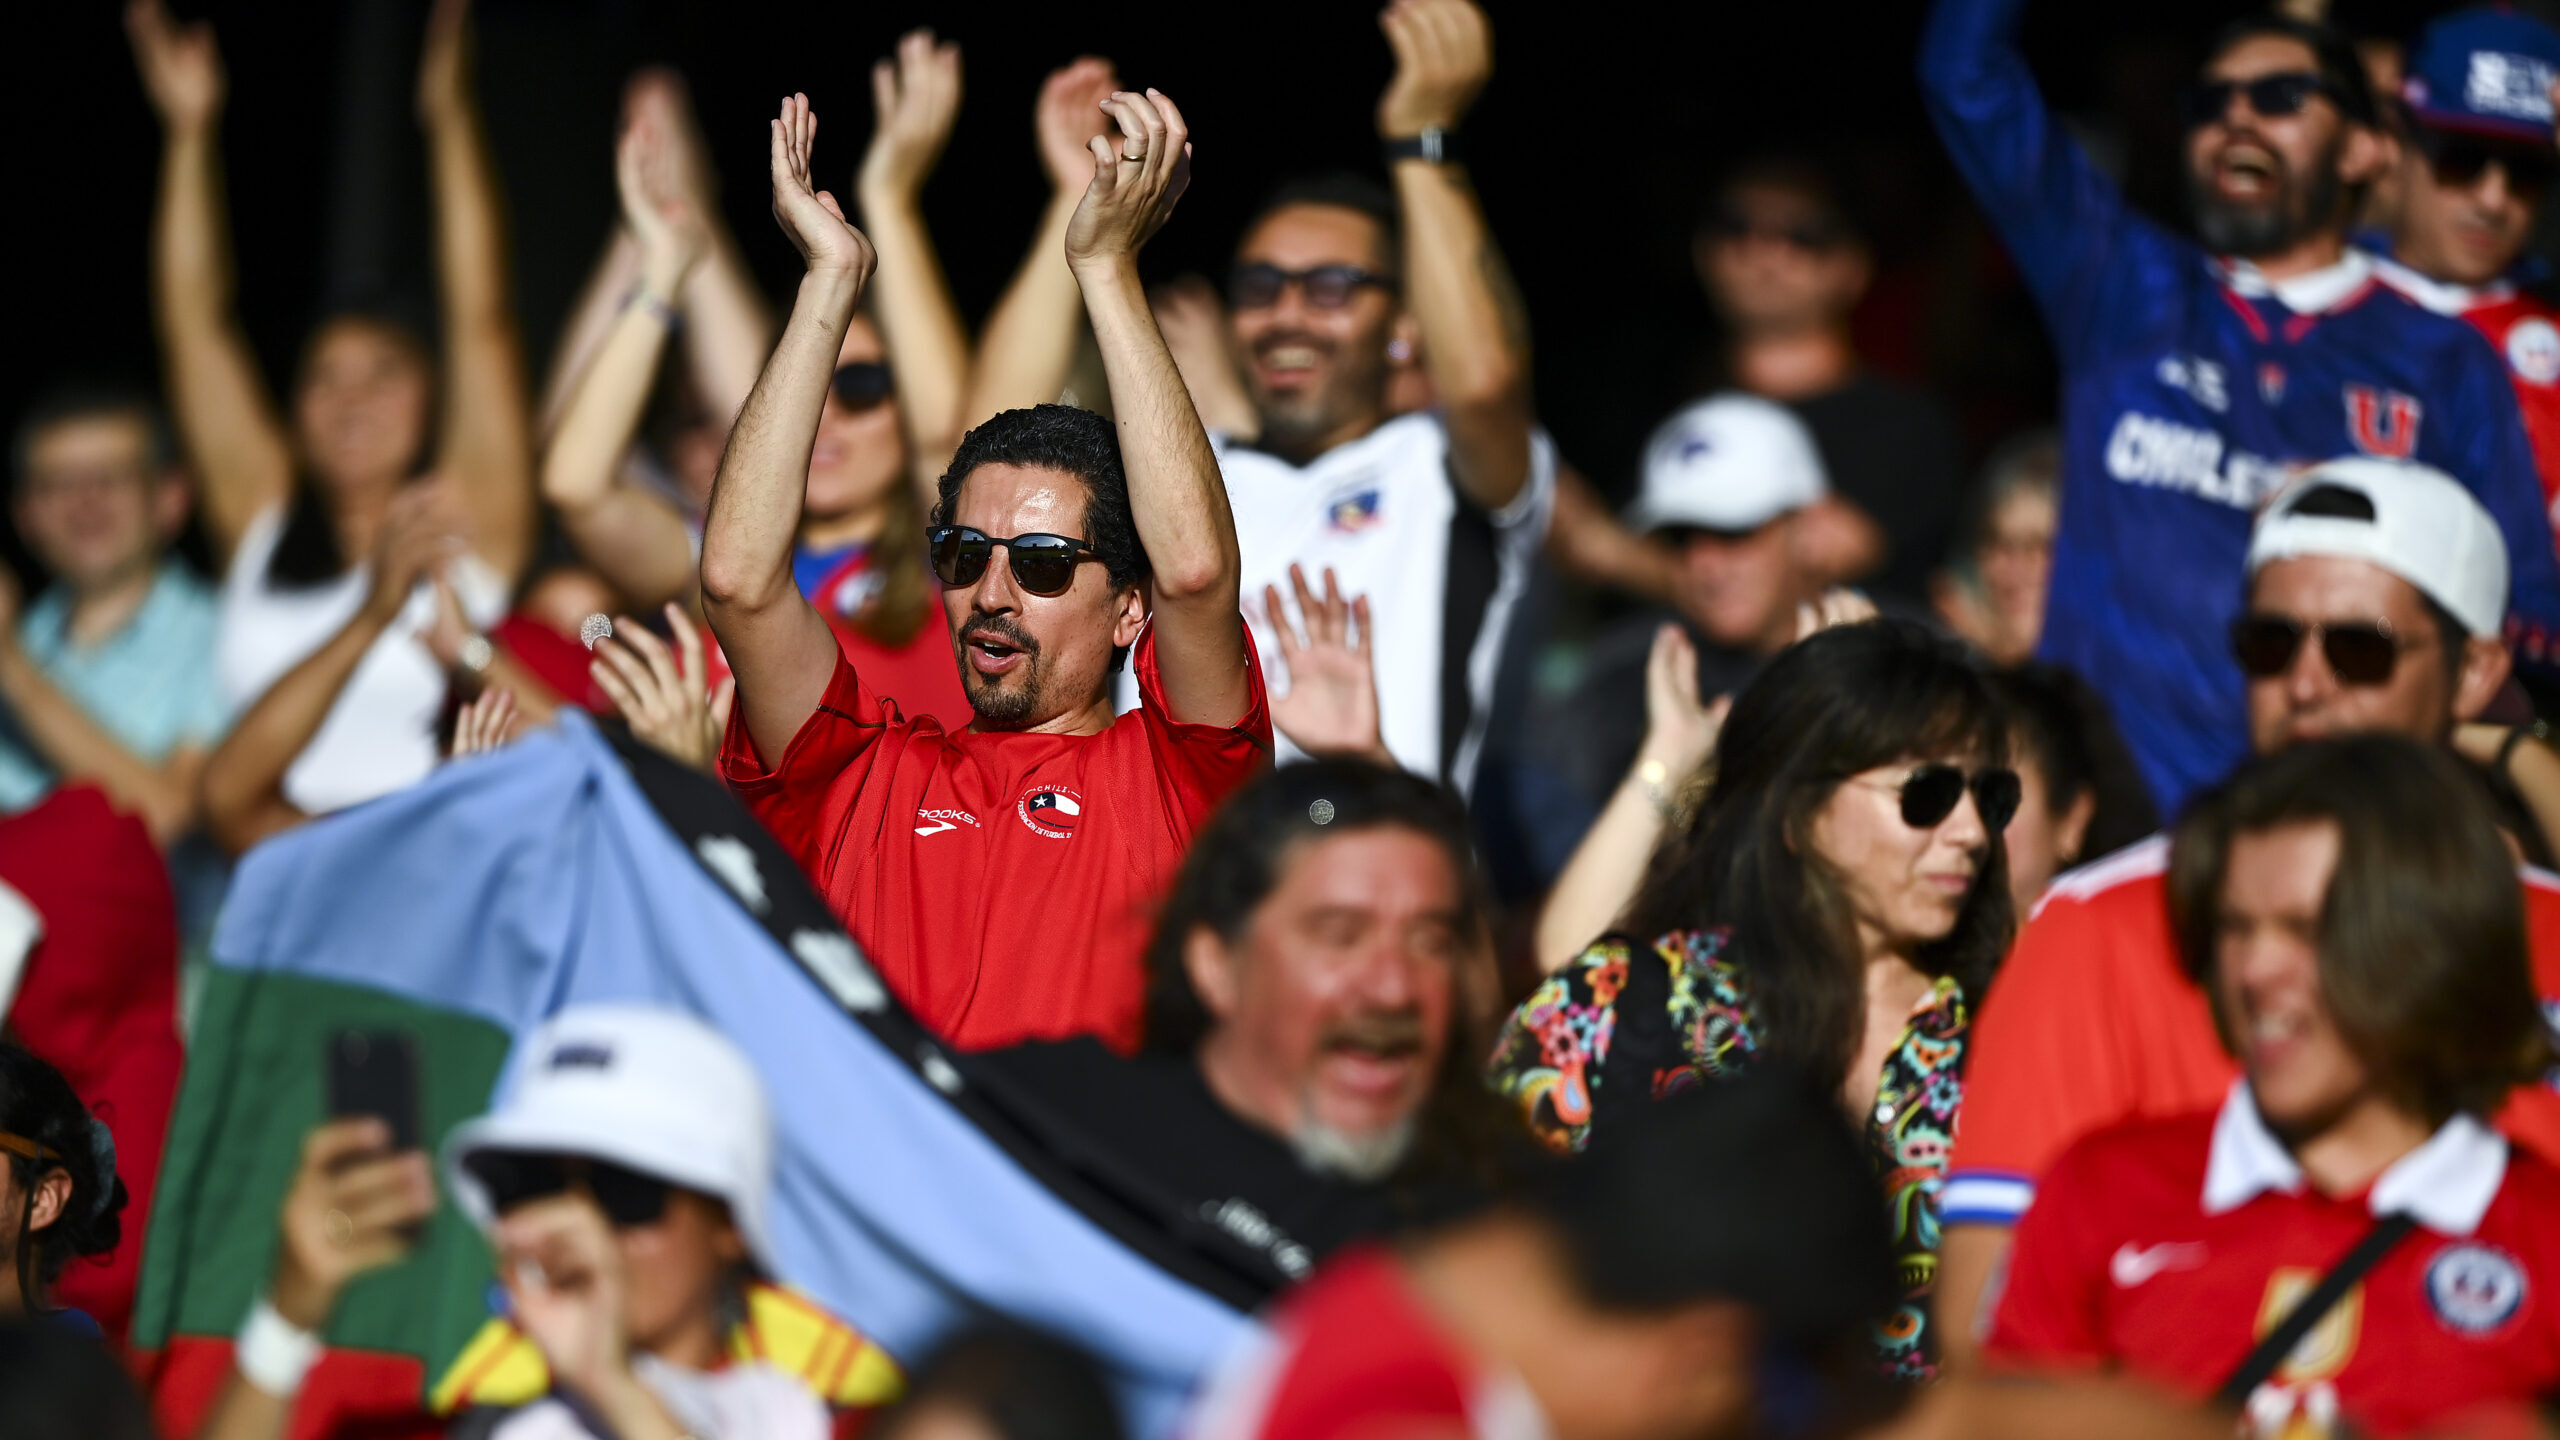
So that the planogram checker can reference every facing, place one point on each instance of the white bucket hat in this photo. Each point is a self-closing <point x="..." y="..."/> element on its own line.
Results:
<point x="652" y="1090"/>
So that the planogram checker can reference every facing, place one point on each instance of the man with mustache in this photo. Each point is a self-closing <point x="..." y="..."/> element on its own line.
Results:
<point x="1319" y="991"/>
<point x="2476" y="160"/>
<point x="2197" y="379"/>
<point x="1001" y="875"/>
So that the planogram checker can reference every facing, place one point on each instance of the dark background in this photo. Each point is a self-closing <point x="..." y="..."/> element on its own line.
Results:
<point x="1604" y="123"/>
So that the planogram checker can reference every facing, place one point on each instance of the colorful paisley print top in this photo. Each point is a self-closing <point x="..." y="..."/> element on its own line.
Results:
<point x="1556" y="1048"/>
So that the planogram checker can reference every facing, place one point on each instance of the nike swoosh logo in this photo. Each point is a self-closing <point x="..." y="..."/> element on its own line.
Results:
<point x="2134" y="1265"/>
<point x="936" y="828"/>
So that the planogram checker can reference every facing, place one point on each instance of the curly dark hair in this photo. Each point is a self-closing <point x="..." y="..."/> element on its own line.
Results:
<point x="38" y="1106"/>
<point x="1059" y="437"/>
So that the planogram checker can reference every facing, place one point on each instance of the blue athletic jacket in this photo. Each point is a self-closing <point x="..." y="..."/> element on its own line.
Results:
<point x="2191" y="393"/>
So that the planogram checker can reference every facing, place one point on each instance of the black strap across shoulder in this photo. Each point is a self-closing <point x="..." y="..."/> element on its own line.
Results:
<point x="2324" y="1297"/>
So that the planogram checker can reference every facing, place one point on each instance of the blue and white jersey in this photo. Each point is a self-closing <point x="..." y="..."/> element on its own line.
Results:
<point x="2193" y="389"/>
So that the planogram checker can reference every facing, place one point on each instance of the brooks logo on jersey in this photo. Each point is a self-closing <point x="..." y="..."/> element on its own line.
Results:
<point x="2147" y="450"/>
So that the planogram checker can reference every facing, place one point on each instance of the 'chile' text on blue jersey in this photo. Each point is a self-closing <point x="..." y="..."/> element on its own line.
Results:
<point x="2191" y="392"/>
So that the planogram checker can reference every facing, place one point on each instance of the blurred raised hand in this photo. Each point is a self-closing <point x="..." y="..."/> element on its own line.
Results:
<point x="180" y="64"/>
<point x="1332" y="704"/>
<point x="666" y="219"/>
<point x="1138" y="176"/>
<point x="661" y="692"/>
<point x="1068" y="115"/>
<point x="444" y="62"/>
<point x="915" y="100"/>
<point x="1444" y="56"/>
<point x="807" y="214"/>
<point x="489" y="722"/>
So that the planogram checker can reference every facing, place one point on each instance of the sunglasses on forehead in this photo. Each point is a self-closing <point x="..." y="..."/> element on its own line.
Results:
<point x="1042" y="564"/>
<point x="861" y="385"/>
<point x="627" y="1197"/>
<point x="2361" y="652"/>
<point x="1327" y="287"/>
<point x="2459" y="160"/>
<point x="2270" y="96"/>
<point x="1932" y="792"/>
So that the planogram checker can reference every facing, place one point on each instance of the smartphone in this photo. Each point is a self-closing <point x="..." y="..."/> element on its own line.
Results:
<point x="375" y="1072"/>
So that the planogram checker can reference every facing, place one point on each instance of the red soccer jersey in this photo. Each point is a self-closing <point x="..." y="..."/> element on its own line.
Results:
<point x="1352" y="1353"/>
<point x="2168" y="1247"/>
<point x="2092" y="1021"/>
<point x="1003" y="883"/>
<point x="2521" y="328"/>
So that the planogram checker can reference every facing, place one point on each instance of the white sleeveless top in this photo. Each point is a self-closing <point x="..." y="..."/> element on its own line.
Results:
<point x="381" y="734"/>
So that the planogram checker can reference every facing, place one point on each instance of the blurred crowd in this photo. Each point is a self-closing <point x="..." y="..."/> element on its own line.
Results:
<point x="1932" y="948"/>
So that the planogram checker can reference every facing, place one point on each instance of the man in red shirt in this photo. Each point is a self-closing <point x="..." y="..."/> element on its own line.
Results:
<point x="2476" y="159"/>
<point x="2346" y="906"/>
<point x="1001" y="876"/>
<point x="1648" y="1290"/>
<point x="2375" y="589"/>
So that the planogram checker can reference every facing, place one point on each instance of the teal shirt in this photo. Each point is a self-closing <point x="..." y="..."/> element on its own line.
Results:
<point x="150" y="685"/>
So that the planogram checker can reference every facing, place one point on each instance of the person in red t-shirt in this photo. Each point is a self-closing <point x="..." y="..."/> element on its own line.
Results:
<point x="1001" y="876"/>
<point x="1651" y="1289"/>
<point x="2346" y="906"/>
<point x="2476" y="159"/>
<point x="2375" y="590"/>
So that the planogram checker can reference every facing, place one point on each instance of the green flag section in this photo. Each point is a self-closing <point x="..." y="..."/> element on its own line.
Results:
<point x="255" y="1085"/>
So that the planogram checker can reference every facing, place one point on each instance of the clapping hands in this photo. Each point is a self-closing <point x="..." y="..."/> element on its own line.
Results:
<point x="810" y="216"/>
<point x="1065" y="119"/>
<point x="915" y="100"/>
<point x="664" y="217"/>
<point x="1444" y="56"/>
<point x="1138" y="175"/>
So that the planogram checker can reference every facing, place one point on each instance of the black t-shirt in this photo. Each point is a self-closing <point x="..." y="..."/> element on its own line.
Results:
<point x="1146" y="1151"/>
<point x="1892" y="452"/>
<point x="1601" y="723"/>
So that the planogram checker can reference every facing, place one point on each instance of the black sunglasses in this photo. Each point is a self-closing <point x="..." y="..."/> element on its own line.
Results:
<point x="1813" y="237"/>
<point x="627" y="1197"/>
<point x="861" y="385"/>
<point x="2459" y="161"/>
<point x="2359" y="653"/>
<point x="2206" y="101"/>
<point x="1327" y="287"/>
<point x="1042" y="564"/>
<point x="1930" y="796"/>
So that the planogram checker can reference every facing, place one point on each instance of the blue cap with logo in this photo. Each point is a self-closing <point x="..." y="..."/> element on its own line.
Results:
<point x="2487" y="70"/>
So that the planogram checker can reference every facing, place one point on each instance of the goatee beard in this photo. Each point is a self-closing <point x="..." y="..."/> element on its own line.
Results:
<point x="2302" y="206"/>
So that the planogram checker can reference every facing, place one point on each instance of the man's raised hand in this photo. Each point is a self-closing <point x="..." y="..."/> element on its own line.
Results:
<point x="915" y="100"/>
<point x="1065" y="119"/>
<point x="181" y="68"/>
<point x="1332" y="704"/>
<point x="810" y="216"/>
<point x="1138" y="175"/>
<point x="1444" y="56"/>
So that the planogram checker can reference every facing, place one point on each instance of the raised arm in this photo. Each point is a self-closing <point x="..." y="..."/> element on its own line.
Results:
<point x="1175" y="491"/>
<point x="728" y="325"/>
<point x="635" y="539"/>
<point x="485" y="439"/>
<point x="1029" y="344"/>
<point x="915" y="99"/>
<point x="1475" y="331"/>
<point x="229" y="423"/>
<point x="776" y="642"/>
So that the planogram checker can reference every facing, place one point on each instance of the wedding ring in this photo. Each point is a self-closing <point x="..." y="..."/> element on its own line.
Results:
<point x="1138" y="159"/>
<point x="338" y="1227"/>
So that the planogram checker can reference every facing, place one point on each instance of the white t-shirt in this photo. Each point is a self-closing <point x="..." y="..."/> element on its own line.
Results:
<point x="380" y="736"/>
<point x="1385" y="514"/>
<point x="753" y="1401"/>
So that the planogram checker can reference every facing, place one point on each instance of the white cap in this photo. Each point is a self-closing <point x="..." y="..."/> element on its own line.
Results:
<point x="651" y="1090"/>
<point x="1729" y="462"/>
<point x="2424" y="528"/>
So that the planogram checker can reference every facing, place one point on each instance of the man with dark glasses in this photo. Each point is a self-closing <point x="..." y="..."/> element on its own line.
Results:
<point x="2476" y="160"/>
<point x="2198" y="378"/>
<point x="1003" y="875"/>
<point x="2375" y="592"/>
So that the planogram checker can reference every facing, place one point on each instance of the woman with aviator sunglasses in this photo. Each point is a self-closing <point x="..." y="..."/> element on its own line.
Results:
<point x="1838" y="901"/>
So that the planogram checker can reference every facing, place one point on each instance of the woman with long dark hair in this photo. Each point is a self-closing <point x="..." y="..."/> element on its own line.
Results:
<point x="1837" y="902"/>
<point x="369" y="528"/>
<point x="59" y="1195"/>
